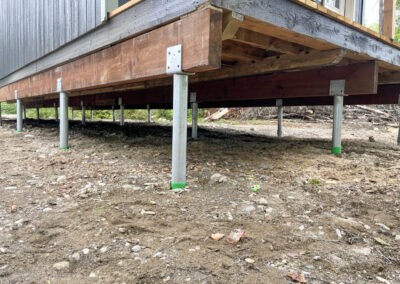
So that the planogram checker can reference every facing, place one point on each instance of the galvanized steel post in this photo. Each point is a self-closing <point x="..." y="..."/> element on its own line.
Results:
<point x="19" y="112"/>
<point x="83" y="113"/>
<point x="113" y="113"/>
<point x="195" y="106"/>
<point x="91" y="113"/>
<point x="63" y="116"/>
<point x="179" y="126"/>
<point x="337" y="89"/>
<point x="121" y="112"/>
<point x="72" y="113"/>
<point x="179" y="133"/>
<point x="148" y="114"/>
<point x="279" y="104"/>
<point x="56" y="112"/>
<point x="37" y="113"/>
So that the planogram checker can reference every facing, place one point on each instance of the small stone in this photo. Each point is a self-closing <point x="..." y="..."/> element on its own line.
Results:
<point x="397" y="238"/>
<point x="47" y="209"/>
<point x="61" y="178"/>
<point x="103" y="249"/>
<point x="122" y="230"/>
<point x="262" y="166"/>
<point x="317" y="258"/>
<point x="263" y="201"/>
<point x="383" y="226"/>
<point x="362" y="251"/>
<point x="144" y="212"/>
<point x="301" y="228"/>
<point x="76" y="256"/>
<point x="136" y="248"/>
<point x="61" y="265"/>
<point x="250" y="260"/>
<point x="85" y="251"/>
<point x="29" y="136"/>
<point x="2" y="250"/>
<point x="92" y="275"/>
<point x="218" y="178"/>
<point x="127" y="186"/>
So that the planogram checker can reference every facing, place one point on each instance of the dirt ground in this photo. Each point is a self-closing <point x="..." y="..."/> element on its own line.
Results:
<point x="102" y="212"/>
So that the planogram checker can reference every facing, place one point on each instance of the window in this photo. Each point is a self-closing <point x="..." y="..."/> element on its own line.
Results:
<point x="336" y="5"/>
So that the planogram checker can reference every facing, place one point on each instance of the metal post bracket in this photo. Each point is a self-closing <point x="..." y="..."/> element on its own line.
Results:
<point x="337" y="87"/>
<point x="174" y="60"/>
<point x="59" y="85"/>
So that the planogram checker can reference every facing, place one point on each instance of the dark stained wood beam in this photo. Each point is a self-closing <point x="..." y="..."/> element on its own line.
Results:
<point x="387" y="94"/>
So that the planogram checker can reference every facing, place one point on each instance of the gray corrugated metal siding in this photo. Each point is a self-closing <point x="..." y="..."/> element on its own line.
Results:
<point x="30" y="29"/>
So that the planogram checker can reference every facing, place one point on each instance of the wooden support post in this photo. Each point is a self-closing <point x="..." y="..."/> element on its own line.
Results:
<point x="389" y="18"/>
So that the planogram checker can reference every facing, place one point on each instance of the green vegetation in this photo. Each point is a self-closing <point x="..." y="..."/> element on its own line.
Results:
<point x="140" y="114"/>
<point x="375" y="27"/>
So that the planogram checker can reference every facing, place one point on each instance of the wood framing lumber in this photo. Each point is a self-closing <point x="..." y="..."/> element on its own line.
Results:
<point x="231" y="24"/>
<point x="308" y="27"/>
<point x="137" y="59"/>
<point x="389" y="18"/>
<point x="276" y="63"/>
<point x="124" y="7"/>
<point x="269" y="43"/>
<point x="389" y="77"/>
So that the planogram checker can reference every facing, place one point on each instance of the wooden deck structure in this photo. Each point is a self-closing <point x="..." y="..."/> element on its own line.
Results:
<point x="241" y="53"/>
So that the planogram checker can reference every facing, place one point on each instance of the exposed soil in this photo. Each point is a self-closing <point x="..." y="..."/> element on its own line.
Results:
<point x="332" y="218"/>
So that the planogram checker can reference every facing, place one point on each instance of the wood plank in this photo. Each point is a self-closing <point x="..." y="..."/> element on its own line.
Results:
<point x="137" y="59"/>
<point x="241" y="52"/>
<point x="231" y="24"/>
<point x="267" y="42"/>
<point x="284" y="62"/>
<point x="391" y="77"/>
<point x="332" y="14"/>
<point x="123" y="8"/>
<point x="389" y="18"/>
<point x="291" y="19"/>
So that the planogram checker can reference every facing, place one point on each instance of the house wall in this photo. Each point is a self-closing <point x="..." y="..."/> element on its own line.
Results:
<point x="30" y="29"/>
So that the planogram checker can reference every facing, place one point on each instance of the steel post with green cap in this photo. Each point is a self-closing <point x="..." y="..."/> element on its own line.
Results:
<point x="19" y="112"/>
<point x="337" y="88"/>
<point x="63" y="116"/>
<point x="180" y="105"/>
